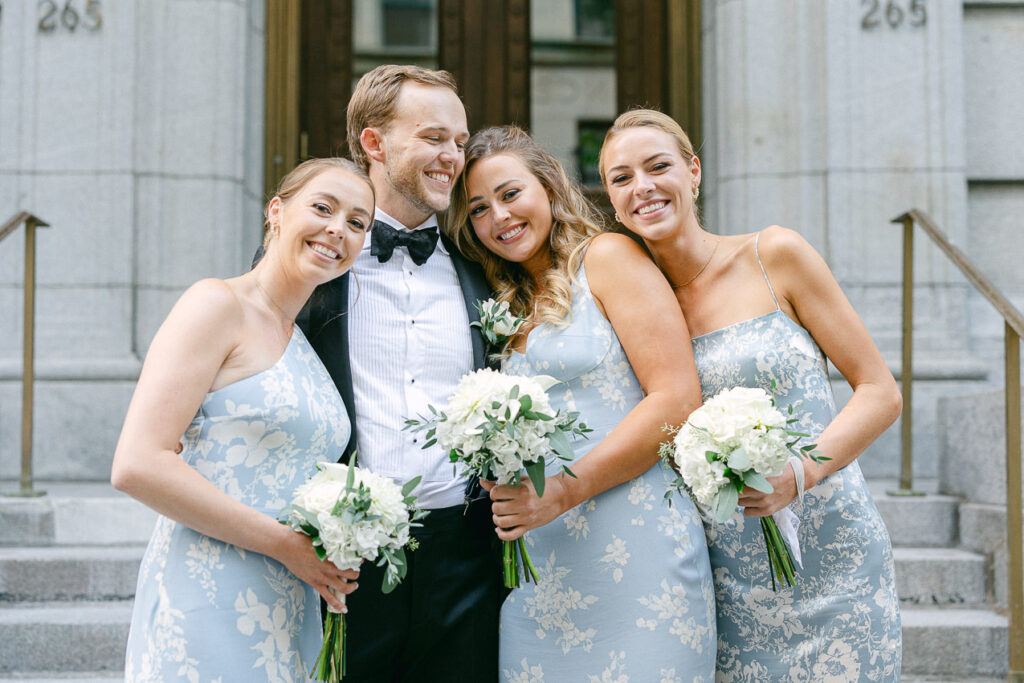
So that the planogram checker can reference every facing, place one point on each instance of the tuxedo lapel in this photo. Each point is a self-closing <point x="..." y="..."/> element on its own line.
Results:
<point x="474" y="288"/>
<point x="324" y="320"/>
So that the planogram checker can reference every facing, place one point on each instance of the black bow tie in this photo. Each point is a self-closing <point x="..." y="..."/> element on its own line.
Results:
<point x="420" y="243"/>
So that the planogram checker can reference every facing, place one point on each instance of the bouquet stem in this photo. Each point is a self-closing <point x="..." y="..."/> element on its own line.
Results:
<point x="515" y="556"/>
<point x="330" y="663"/>
<point x="780" y="562"/>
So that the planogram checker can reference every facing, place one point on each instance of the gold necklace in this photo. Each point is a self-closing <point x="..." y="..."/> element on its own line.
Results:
<point x="697" y="274"/>
<point x="291" y="321"/>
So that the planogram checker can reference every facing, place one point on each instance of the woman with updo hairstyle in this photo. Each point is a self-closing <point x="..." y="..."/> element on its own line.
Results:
<point x="624" y="587"/>
<point x="232" y="412"/>
<point x="765" y="311"/>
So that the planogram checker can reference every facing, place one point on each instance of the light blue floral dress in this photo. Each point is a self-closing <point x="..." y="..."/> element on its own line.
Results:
<point x="841" y="621"/>
<point x="625" y="590"/>
<point x="208" y="611"/>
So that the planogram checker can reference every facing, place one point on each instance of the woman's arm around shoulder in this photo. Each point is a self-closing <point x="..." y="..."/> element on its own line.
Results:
<point x="635" y="297"/>
<point x="808" y="293"/>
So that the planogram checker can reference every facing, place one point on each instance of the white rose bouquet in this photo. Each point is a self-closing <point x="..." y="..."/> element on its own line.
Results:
<point x="739" y="438"/>
<point x="497" y="426"/>
<point x="353" y="515"/>
<point x="496" y="323"/>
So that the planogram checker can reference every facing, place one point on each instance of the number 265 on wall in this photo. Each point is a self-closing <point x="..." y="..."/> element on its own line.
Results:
<point x="69" y="15"/>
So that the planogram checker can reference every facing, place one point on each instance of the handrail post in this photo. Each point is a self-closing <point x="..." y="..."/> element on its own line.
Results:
<point x="28" y="345"/>
<point x="907" y="364"/>
<point x="1015" y="556"/>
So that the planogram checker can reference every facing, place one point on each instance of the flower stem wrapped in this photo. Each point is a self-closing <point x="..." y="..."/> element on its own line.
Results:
<point x="498" y="427"/>
<point x="739" y="438"/>
<point x="353" y="515"/>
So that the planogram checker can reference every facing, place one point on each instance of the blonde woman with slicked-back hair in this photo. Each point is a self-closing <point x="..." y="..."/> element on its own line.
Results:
<point x="232" y="412"/>
<point x="765" y="311"/>
<point x="625" y="587"/>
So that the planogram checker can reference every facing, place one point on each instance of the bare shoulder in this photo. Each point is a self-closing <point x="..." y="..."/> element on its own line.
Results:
<point x="217" y="297"/>
<point x="777" y="242"/>
<point x="210" y="306"/>
<point x="786" y="252"/>
<point x="612" y="250"/>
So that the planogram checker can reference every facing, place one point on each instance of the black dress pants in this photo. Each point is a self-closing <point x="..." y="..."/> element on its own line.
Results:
<point x="441" y="623"/>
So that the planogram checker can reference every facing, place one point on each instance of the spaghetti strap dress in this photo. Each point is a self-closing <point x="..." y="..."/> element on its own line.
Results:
<point x="841" y="621"/>
<point x="625" y="589"/>
<point x="209" y="611"/>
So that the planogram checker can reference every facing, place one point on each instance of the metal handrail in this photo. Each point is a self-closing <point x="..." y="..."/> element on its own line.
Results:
<point x="28" y="343"/>
<point x="1013" y="330"/>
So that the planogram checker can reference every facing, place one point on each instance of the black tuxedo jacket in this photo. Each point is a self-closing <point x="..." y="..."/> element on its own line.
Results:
<point x="324" y="321"/>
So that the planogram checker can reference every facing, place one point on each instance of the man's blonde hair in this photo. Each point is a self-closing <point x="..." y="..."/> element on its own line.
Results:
<point x="373" y="101"/>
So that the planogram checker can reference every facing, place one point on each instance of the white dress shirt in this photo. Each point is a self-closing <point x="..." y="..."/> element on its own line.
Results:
<point x="409" y="345"/>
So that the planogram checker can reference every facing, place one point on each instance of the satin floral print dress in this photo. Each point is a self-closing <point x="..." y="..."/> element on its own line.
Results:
<point x="841" y="622"/>
<point x="208" y="611"/>
<point x="625" y="589"/>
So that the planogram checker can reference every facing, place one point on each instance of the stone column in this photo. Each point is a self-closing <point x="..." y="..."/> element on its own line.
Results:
<point x="832" y="118"/>
<point x="135" y="130"/>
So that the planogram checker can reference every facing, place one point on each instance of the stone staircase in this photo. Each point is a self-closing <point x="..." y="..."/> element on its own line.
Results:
<point x="68" y="564"/>
<point x="951" y="628"/>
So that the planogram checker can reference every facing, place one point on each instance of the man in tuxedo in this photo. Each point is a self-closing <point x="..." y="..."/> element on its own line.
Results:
<point x="394" y="334"/>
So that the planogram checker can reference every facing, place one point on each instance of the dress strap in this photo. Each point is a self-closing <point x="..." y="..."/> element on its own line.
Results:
<point x="770" y="288"/>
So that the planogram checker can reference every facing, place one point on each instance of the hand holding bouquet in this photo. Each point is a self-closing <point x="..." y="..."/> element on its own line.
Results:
<point x="739" y="438"/>
<point x="497" y="426"/>
<point x="353" y="515"/>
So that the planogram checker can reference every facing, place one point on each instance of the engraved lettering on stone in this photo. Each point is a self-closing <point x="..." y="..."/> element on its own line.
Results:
<point x="894" y="14"/>
<point x="53" y="16"/>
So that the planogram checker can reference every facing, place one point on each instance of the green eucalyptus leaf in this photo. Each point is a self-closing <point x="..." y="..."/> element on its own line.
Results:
<point x="756" y="480"/>
<point x="725" y="503"/>
<point x="535" y="470"/>
<point x="559" y="443"/>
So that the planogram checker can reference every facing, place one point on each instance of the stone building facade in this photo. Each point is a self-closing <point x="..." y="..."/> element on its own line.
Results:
<point x="139" y="131"/>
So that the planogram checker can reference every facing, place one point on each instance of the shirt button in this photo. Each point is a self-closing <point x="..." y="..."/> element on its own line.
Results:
<point x="414" y="441"/>
<point x="412" y="381"/>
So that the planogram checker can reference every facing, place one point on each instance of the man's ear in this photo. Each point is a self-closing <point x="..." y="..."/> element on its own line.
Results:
<point x="372" y="141"/>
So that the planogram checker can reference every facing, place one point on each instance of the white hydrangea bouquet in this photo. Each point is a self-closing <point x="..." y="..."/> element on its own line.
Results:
<point x="739" y="438"/>
<point x="353" y="515"/>
<point x="497" y="426"/>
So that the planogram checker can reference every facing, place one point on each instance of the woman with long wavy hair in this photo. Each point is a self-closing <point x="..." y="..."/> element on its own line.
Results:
<point x="625" y="586"/>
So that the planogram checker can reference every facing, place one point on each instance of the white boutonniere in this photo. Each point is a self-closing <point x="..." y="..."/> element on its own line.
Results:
<point x="496" y="323"/>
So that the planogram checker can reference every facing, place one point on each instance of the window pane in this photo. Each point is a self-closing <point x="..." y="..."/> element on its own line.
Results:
<point x="393" y="32"/>
<point x="572" y="80"/>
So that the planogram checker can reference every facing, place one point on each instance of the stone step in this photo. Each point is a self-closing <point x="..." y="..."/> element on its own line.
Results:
<point x="78" y="513"/>
<point x="920" y="521"/>
<point x="34" y="574"/>
<point x="63" y="636"/>
<point x="939" y="576"/>
<point x="954" y="642"/>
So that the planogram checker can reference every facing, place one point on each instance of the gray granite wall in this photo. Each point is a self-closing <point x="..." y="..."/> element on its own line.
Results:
<point x="138" y="136"/>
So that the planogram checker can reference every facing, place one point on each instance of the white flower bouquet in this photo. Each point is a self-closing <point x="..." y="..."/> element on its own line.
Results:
<point x="497" y="426"/>
<point x="739" y="438"/>
<point x="353" y="515"/>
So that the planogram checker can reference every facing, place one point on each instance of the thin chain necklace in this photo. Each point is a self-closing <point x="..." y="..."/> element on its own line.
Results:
<point x="697" y="274"/>
<point x="291" y="321"/>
